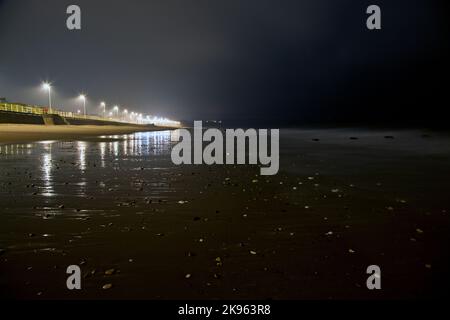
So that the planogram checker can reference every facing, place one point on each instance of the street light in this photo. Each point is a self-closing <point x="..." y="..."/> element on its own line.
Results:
<point x="47" y="86"/>
<point x="125" y="112"/>
<point x="116" y="109"/>
<point x="103" y="105"/>
<point x="82" y="97"/>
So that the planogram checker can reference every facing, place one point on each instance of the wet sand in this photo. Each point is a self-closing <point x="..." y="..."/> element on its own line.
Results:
<point x="343" y="200"/>
<point x="10" y="133"/>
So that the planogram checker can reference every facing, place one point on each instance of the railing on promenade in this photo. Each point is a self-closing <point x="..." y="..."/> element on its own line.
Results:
<point x="29" y="109"/>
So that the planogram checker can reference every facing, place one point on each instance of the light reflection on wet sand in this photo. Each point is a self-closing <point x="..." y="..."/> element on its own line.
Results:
<point x="56" y="167"/>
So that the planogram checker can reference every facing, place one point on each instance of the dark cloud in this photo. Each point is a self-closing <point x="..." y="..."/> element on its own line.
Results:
<point x="262" y="61"/>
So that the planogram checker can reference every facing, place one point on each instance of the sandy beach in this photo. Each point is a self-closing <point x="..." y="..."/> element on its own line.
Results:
<point x="26" y="133"/>
<point x="141" y="228"/>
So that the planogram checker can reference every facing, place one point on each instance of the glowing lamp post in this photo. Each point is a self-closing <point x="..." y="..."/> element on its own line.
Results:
<point x="47" y="86"/>
<point x="103" y="105"/>
<point x="82" y="97"/>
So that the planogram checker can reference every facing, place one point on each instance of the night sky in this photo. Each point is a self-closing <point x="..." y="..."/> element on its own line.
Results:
<point x="248" y="62"/>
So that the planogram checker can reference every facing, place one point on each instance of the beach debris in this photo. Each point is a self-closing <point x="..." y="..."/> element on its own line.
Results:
<point x="428" y="266"/>
<point x="420" y="231"/>
<point x="182" y="202"/>
<point x="188" y="276"/>
<point x="217" y="276"/>
<point x="107" y="286"/>
<point x="351" y="251"/>
<point x="191" y="254"/>
<point x="201" y="240"/>
<point x="110" y="272"/>
<point x="254" y="180"/>
<point x="310" y="178"/>
<point x="160" y="234"/>
<point x="335" y="190"/>
<point x="252" y="252"/>
<point x="329" y="233"/>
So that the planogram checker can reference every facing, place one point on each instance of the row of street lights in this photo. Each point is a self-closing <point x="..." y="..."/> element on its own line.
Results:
<point x="136" y="117"/>
<point x="48" y="87"/>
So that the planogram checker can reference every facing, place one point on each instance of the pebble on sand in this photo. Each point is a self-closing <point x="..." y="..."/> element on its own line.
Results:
<point x="252" y="252"/>
<point x="188" y="276"/>
<point x="110" y="272"/>
<point x="107" y="286"/>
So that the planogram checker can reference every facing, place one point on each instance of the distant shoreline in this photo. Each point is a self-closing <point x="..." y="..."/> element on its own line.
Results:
<point x="13" y="133"/>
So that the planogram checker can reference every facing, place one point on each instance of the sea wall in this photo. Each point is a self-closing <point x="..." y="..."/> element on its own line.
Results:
<point x="20" y="118"/>
<point x="57" y="120"/>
